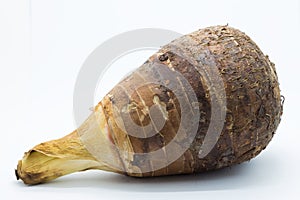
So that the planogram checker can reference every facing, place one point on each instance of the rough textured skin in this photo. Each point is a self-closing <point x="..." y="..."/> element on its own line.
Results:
<point x="252" y="94"/>
<point x="244" y="87"/>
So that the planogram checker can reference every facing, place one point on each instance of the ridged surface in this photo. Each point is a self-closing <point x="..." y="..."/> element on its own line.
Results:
<point x="252" y="98"/>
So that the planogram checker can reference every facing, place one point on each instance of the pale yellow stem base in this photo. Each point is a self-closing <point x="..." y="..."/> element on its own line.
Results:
<point x="56" y="158"/>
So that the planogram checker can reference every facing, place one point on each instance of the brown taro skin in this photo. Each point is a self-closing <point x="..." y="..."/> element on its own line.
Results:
<point x="236" y="92"/>
<point x="252" y="96"/>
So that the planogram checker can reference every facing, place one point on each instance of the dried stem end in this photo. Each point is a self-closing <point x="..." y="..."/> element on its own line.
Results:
<point x="56" y="158"/>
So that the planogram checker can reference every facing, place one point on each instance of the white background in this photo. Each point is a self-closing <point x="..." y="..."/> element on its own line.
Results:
<point x="43" y="45"/>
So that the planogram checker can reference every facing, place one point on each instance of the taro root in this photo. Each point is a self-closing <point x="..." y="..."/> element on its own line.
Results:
<point x="205" y="101"/>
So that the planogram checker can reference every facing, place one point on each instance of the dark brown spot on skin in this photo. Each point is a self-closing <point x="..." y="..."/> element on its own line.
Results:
<point x="163" y="57"/>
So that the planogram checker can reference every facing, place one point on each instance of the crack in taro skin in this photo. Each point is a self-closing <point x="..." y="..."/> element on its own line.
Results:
<point x="253" y="107"/>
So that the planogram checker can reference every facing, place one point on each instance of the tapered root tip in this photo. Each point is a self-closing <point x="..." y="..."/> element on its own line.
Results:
<point x="27" y="177"/>
<point x="50" y="160"/>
